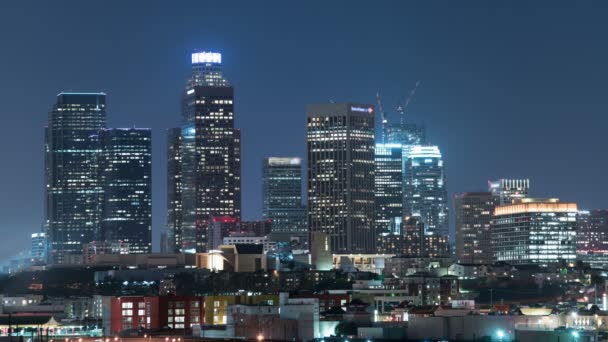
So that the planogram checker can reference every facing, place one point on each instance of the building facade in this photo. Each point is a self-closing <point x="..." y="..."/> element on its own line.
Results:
<point x="592" y="237"/>
<point x="125" y="177"/>
<point x="210" y="151"/>
<point x="534" y="231"/>
<point x="282" y="198"/>
<point x="174" y="191"/>
<point x="340" y="144"/>
<point x="474" y="212"/>
<point x="388" y="185"/>
<point x="72" y="186"/>
<point x="39" y="247"/>
<point x="424" y="189"/>
<point x="508" y="190"/>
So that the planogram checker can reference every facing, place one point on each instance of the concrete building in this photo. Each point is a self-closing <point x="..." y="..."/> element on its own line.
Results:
<point x="474" y="212"/>
<point x="508" y="190"/>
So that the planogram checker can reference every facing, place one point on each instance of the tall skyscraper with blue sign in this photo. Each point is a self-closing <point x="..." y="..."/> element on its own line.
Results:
<point x="424" y="188"/>
<point x="210" y="152"/>
<point x="340" y="144"/>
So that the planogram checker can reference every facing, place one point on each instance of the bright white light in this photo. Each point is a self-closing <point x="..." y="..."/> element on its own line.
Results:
<point x="206" y="57"/>
<point x="500" y="334"/>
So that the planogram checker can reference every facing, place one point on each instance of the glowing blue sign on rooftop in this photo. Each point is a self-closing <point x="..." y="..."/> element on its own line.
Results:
<point x="206" y="57"/>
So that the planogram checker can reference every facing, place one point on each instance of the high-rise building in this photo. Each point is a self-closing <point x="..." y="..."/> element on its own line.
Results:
<point x="340" y="144"/>
<point x="406" y="134"/>
<point x="508" y="190"/>
<point x="474" y="212"/>
<point x="174" y="191"/>
<point x="424" y="189"/>
<point x="210" y="151"/>
<point x="534" y="231"/>
<point x="406" y="237"/>
<point x="282" y="198"/>
<point x="72" y="189"/>
<point x="125" y="177"/>
<point x="388" y="185"/>
<point x="39" y="248"/>
<point x="592" y="237"/>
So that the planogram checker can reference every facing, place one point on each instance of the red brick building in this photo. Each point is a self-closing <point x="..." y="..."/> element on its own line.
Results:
<point x="155" y="312"/>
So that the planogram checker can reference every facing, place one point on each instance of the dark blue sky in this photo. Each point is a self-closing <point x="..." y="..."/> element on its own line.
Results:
<point x="509" y="89"/>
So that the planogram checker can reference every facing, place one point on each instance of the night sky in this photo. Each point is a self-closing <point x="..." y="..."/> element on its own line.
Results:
<point x="509" y="89"/>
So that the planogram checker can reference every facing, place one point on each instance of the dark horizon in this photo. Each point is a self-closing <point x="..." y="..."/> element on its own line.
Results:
<point x="511" y="90"/>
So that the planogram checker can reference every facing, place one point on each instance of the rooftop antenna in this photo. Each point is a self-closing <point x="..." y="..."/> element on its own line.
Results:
<point x="382" y="117"/>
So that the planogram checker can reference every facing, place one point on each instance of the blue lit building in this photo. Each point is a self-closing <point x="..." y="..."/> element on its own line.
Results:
<point x="39" y="248"/>
<point x="210" y="153"/>
<point x="424" y="188"/>
<point x="388" y="185"/>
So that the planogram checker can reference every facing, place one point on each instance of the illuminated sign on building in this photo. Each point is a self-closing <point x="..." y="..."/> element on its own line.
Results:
<point x="206" y="57"/>
<point x="361" y="109"/>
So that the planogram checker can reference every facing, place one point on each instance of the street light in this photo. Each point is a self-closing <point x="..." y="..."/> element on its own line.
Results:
<point x="500" y="334"/>
<point x="260" y="337"/>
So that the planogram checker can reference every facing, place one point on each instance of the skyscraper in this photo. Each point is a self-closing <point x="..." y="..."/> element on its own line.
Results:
<point x="406" y="134"/>
<point x="340" y="144"/>
<point x="388" y="185"/>
<point x="592" y="237"/>
<point x="474" y="212"/>
<point x="174" y="190"/>
<point x="424" y="189"/>
<point x="125" y="177"/>
<point x="538" y="231"/>
<point x="72" y="189"/>
<point x="211" y="151"/>
<point x="282" y="198"/>
<point x="38" y="251"/>
<point x="508" y="190"/>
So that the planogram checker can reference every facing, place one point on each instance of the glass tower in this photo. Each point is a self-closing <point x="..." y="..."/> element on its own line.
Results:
<point x="282" y="198"/>
<point x="72" y="188"/>
<point x="125" y="170"/>
<point x="537" y="231"/>
<point x="210" y="151"/>
<point x="424" y="188"/>
<point x="592" y="237"/>
<point x="340" y="145"/>
<point x="174" y="191"/>
<point x="388" y="185"/>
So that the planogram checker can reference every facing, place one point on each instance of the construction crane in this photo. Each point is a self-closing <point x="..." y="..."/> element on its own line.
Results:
<point x="402" y="109"/>
<point x="382" y="117"/>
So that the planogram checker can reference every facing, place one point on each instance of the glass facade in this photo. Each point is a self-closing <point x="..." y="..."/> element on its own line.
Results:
<point x="474" y="212"/>
<point x="282" y="198"/>
<point x="424" y="188"/>
<point x="592" y="237"/>
<point x="174" y="191"/>
<point x="210" y="153"/>
<point x="125" y="176"/>
<point x="536" y="231"/>
<point x="72" y="187"/>
<point x="388" y="185"/>
<point x="340" y="145"/>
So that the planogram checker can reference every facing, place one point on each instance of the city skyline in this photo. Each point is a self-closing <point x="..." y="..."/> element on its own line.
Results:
<point x="156" y="105"/>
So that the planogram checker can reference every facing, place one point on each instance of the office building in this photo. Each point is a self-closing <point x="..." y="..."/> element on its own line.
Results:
<point x="474" y="212"/>
<point x="388" y="185"/>
<point x="424" y="189"/>
<point x="72" y="188"/>
<point x="534" y="231"/>
<point x="406" y="134"/>
<point x="174" y="191"/>
<point x="210" y="151"/>
<point x="125" y="177"/>
<point x="282" y="198"/>
<point x="508" y="190"/>
<point x="39" y="248"/>
<point x="592" y="237"/>
<point x="406" y="237"/>
<point x="340" y="145"/>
